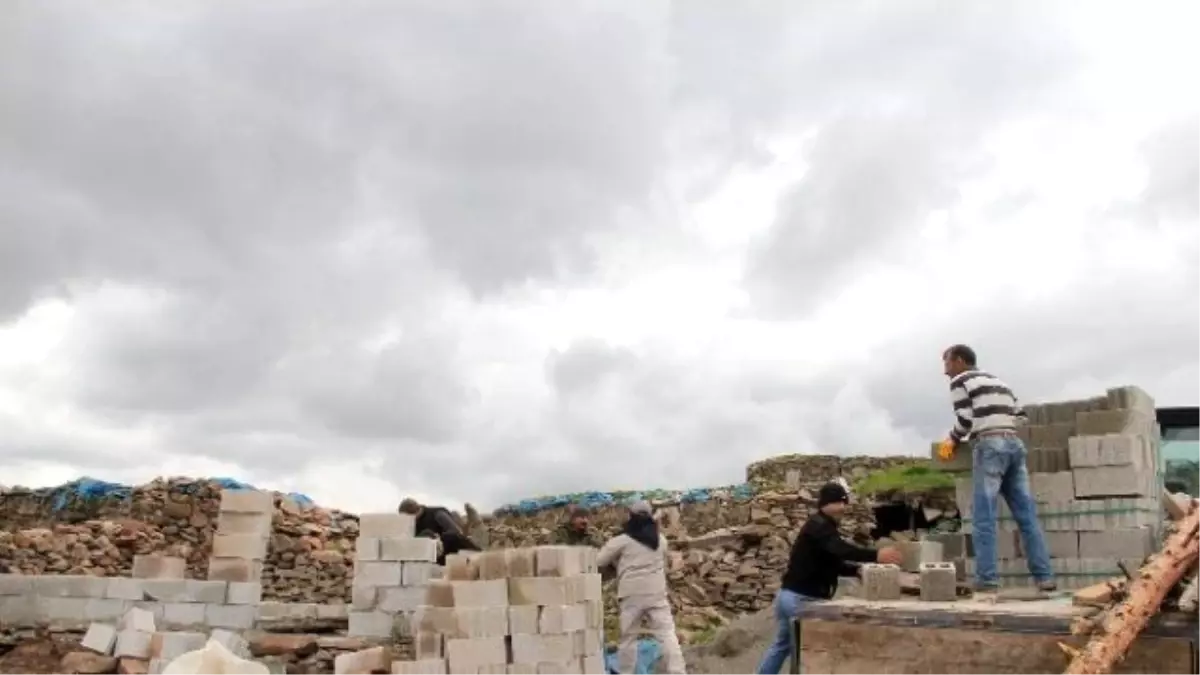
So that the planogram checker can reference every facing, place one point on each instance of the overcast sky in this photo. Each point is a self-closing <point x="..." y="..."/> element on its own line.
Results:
<point x="479" y="251"/>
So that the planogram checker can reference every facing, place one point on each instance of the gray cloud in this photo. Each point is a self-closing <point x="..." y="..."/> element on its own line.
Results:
<point x="281" y="224"/>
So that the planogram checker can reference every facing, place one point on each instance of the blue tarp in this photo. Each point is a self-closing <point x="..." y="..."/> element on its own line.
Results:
<point x="594" y="500"/>
<point x="90" y="488"/>
<point x="647" y="657"/>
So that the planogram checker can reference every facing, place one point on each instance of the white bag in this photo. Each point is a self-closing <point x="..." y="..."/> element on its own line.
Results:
<point x="214" y="659"/>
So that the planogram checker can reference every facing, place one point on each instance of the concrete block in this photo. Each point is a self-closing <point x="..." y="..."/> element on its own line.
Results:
<point x="234" y="569"/>
<point x="243" y="592"/>
<point x="1007" y="546"/>
<point x="537" y="591"/>
<point x="16" y="609"/>
<point x="155" y="608"/>
<point x="254" y="524"/>
<point x="522" y="669"/>
<point x="558" y="561"/>
<point x="366" y="549"/>
<point x="70" y="586"/>
<point x="571" y="667"/>
<point x="524" y="619"/>
<point x="542" y="648"/>
<point x="584" y="587"/>
<point x="917" y="552"/>
<point x="156" y="666"/>
<point x="63" y="609"/>
<point x="100" y="638"/>
<point x="332" y="611"/>
<point x="159" y="567"/>
<point x="587" y="642"/>
<point x="387" y="525"/>
<point x="373" y="660"/>
<point x="105" y="609"/>
<point x="521" y="562"/>
<point x="400" y="599"/>
<point x="206" y="590"/>
<point x="369" y="624"/>
<point x="593" y="664"/>
<point x="1062" y="544"/>
<point x="293" y="611"/>
<point x="1134" y="543"/>
<point x="15" y="584"/>
<point x="418" y="549"/>
<point x="562" y="619"/>
<point x="494" y="669"/>
<point x="123" y="588"/>
<point x="492" y="593"/>
<point x="247" y="501"/>
<point x="959" y="463"/>
<point x="954" y="544"/>
<point x="442" y="620"/>
<point x="237" y="617"/>
<point x="183" y="614"/>
<point x="362" y="596"/>
<point x="379" y="573"/>
<point x="467" y="655"/>
<point x="171" y="645"/>
<point x="594" y="613"/>
<point x="480" y="622"/>
<point x="439" y="593"/>
<point x="462" y="566"/>
<point x="1052" y="487"/>
<point x="139" y="619"/>
<point x="1101" y="422"/>
<point x="1115" y="481"/>
<point x="493" y="565"/>
<point x="420" y="667"/>
<point x="880" y="582"/>
<point x="428" y="645"/>
<point x="232" y="641"/>
<point x="247" y="546"/>
<point x="939" y="582"/>
<point x="133" y="644"/>
<point x="166" y="590"/>
<point x="419" y="573"/>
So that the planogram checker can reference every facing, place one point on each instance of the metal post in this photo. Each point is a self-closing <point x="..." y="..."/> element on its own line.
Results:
<point x="797" y="645"/>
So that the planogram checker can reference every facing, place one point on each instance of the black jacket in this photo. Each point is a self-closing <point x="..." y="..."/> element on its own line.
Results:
<point x="437" y="520"/>
<point x="820" y="556"/>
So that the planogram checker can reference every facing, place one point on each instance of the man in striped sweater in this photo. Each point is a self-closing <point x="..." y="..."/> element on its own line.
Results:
<point x="987" y="413"/>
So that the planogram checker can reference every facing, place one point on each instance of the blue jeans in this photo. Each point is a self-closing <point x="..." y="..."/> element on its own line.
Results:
<point x="787" y="607"/>
<point x="999" y="470"/>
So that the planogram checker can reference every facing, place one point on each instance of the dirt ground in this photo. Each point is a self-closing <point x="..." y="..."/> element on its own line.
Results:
<point x="36" y="654"/>
<point x="736" y="648"/>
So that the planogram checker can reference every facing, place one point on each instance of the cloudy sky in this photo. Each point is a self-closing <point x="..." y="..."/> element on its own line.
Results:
<point x="479" y="251"/>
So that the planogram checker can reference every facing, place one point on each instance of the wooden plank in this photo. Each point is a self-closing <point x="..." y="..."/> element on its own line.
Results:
<point x="841" y="647"/>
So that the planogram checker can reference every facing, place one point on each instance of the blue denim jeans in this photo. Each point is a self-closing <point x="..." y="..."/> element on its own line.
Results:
<point x="999" y="470"/>
<point x="787" y="607"/>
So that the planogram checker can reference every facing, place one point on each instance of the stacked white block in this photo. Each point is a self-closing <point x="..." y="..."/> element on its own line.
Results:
<point x="1094" y="472"/>
<point x="531" y="610"/>
<point x="243" y="531"/>
<point x="392" y="568"/>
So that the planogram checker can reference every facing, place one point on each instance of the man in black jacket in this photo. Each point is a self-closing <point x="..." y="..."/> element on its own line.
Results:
<point x="819" y="556"/>
<point x="436" y="522"/>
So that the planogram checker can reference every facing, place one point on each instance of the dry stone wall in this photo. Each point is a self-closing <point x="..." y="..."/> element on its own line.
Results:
<point x="728" y="552"/>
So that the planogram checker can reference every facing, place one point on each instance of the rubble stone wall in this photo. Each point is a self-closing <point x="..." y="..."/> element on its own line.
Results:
<point x="727" y="557"/>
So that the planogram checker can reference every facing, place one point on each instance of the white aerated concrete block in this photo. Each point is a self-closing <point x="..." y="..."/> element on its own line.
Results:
<point x="183" y="614"/>
<point x="480" y="622"/>
<point x="387" y="525"/>
<point x="400" y="599"/>
<point x="493" y="593"/>
<point x="562" y="619"/>
<point x="468" y="655"/>
<point x="100" y="638"/>
<point x="133" y="644"/>
<point x="543" y="648"/>
<point x="237" y="617"/>
<point x="524" y="619"/>
<point x="420" y="667"/>
<point x="370" y="624"/>
<point x="410" y="549"/>
<point x="419" y="573"/>
<point x="379" y="573"/>
<point x="247" y="501"/>
<point x="366" y="549"/>
<point x="244" y="593"/>
<point x="538" y="591"/>
<point x="103" y="609"/>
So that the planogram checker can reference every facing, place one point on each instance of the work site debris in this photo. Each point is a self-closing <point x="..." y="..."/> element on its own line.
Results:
<point x="1125" y="620"/>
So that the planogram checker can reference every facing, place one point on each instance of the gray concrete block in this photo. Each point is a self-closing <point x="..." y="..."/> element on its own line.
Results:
<point x="244" y="593"/>
<point x="379" y="574"/>
<point x="1062" y="544"/>
<point x="207" y="591"/>
<point x="366" y="549"/>
<point x="156" y="666"/>
<point x="287" y="610"/>
<point x="418" y="549"/>
<point x="239" y="617"/>
<point x="257" y="524"/>
<point x="418" y="573"/>
<point x="362" y="596"/>
<point x="20" y="609"/>
<point x="1117" y="543"/>
<point x="70" y="586"/>
<point x="1115" y="481"/>
<point x="939" y="582"/>
<point x="234" y="569"/>
<point x="880" y="582"/>
<point x="1007" y="546"/>
<point x="1049" y="488"/>
<point x="122" y="588"/>
<point x="400" y="599"/>
<point x="369" y="624"/>
<point x="15" y="584"/>
<point x="133" y="644"/>
<point x="105" y="609"/>
<point x="183" y="614"/>
<point x="140" y="619"/>
<point x="387" y="525"/>
<point x="1101" y="422"/>
<point x="100" y="638"/>
<point x="155" y="608"/>
<point x="166" y="590"/>
<point x="917" y="552"/>
<point x="173" y="644"/>
<point x="63" y="609"/>
<point x="332" y="611"/>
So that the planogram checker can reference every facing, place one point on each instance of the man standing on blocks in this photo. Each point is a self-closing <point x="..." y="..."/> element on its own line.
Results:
<point x="987" y="413"/>
<point x="639" y="555"/>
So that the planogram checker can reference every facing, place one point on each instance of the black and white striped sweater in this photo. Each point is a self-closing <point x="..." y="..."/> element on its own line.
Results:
<point x="982" y="402"/>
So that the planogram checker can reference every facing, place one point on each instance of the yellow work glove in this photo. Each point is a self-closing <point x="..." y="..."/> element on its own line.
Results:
<point x="946" y="450"/>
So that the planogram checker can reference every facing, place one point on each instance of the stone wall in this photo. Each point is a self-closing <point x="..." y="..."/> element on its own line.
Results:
<point x="728" y="553"/>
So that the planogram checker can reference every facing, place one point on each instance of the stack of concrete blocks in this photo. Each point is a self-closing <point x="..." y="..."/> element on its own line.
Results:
<point x="529" y="610"/>
<point x="392" y="568"/>
<point x="243" y="531"/>
<point x="1094" y="471"/>
<point x="141" y="647"/>
<point x="880" y="582"/>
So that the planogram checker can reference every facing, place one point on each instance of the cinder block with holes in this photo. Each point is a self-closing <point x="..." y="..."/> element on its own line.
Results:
<point x="939" y="582"/>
